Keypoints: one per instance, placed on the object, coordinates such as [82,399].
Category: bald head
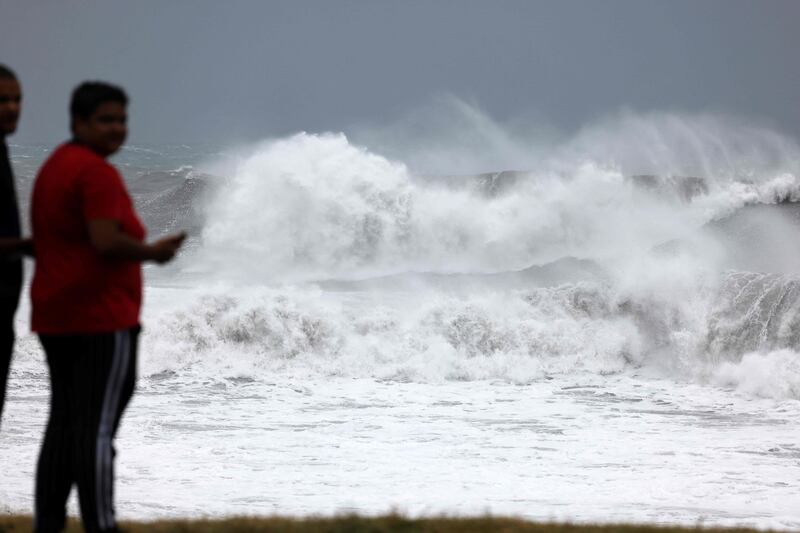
[10,101]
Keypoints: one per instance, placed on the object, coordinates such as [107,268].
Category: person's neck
[86,145]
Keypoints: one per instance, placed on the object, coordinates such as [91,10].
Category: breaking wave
[331,259]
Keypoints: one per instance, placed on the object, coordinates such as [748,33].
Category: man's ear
[74,125]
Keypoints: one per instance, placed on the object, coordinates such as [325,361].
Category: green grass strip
[357,524]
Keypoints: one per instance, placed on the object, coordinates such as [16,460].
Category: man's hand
[26,247]
[165,249]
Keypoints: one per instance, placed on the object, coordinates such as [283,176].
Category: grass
[356,524]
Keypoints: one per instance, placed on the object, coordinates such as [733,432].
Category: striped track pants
[92,379]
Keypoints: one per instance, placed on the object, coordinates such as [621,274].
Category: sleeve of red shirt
[102,193]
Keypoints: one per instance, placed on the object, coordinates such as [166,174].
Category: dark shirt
[10,266]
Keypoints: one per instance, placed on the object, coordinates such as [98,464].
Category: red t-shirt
[75,289]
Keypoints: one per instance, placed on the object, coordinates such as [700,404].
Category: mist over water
[318,206]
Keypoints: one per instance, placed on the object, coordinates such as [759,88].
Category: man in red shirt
[86,296]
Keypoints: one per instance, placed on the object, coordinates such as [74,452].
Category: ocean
[610,334]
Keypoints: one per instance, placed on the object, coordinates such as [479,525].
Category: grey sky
[222,70]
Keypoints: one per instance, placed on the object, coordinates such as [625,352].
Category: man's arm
[9,247]
[109,240]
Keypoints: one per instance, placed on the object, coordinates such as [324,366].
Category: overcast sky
[200,70]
